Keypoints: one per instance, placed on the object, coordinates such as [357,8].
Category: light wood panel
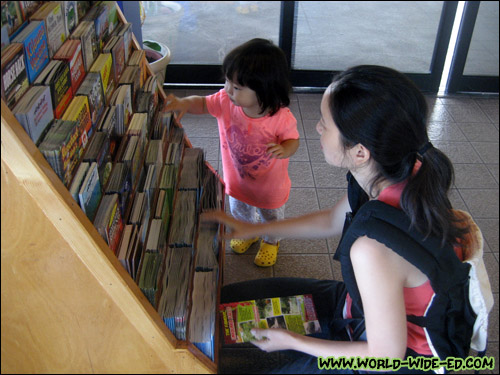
[67,303]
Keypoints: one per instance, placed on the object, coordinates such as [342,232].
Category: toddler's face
[242,96]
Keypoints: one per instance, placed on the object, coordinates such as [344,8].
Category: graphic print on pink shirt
[248,158]
[251,175]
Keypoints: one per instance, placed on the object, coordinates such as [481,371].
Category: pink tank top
[417,299]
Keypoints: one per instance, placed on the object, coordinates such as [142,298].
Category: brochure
[295,313]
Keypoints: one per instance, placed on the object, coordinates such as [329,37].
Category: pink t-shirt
[250,174]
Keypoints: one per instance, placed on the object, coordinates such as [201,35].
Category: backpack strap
[462,293]
[391,227]
[357,197]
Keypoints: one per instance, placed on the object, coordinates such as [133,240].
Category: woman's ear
[360,154]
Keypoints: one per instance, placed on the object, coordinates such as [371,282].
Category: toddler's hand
[276,151]
[176,105]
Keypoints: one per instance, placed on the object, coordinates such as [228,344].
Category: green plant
[152,45]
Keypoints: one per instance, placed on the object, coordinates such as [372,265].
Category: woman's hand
[237,228]
[270,340]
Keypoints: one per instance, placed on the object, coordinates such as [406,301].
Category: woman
[373,122]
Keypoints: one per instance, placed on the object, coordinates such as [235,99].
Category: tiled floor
[465,128]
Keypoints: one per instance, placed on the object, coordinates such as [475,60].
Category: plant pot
[158,56]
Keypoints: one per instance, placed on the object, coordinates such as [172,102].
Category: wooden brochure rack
[68,305]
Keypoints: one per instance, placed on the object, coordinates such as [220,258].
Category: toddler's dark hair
[261,66]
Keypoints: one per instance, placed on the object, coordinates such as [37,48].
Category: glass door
[411,37]
[319,37]
[475,64]
[200,33]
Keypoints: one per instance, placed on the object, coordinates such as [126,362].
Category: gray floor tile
[310,129]
[200,126]
[492,269]
[463,113]
[210,146]
[301,174]
[301,154]
[482,203]
[465,101]
[458,152]
[490,102]
[305,266]
[241,268]
[489,229]
[309,110]
[479,132]
[328,197]
[439,113]
[488,151]
[333,243]
[293,246]
[492,113]
[445,131]
[473,176]
[316,154]
[326,176]
[301,201]
[493,168]
[457,201]
[336,270]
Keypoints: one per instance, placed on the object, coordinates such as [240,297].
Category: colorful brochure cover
[295,313]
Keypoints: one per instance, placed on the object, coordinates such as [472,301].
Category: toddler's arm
[192,104]
[283,150]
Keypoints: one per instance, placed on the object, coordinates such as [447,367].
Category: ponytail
[425,197]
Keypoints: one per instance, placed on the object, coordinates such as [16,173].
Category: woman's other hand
[273,339]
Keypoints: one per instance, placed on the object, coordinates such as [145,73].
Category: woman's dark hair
[261,66]
[384,111]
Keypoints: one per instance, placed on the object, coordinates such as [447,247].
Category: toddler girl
[258,134]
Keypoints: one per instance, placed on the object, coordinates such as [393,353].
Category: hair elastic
[424,149]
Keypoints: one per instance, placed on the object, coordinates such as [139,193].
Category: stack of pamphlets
[295,313]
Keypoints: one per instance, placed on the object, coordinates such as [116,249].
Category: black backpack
[457,318]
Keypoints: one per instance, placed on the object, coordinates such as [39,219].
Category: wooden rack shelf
[68,305]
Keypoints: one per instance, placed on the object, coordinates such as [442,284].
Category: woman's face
[330,135]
